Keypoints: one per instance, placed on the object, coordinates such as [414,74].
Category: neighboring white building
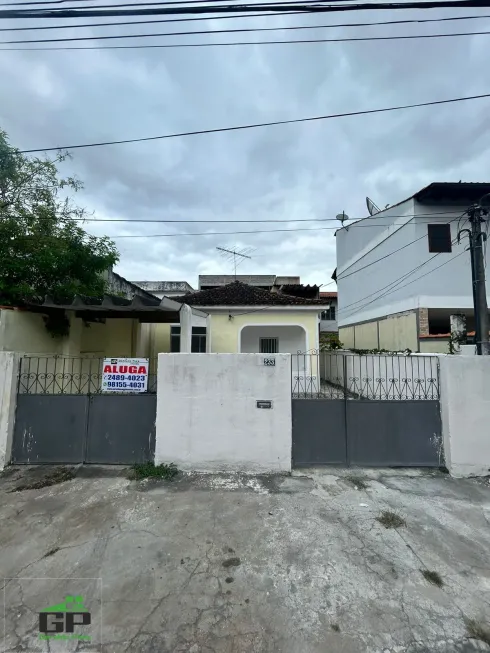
[165,288]
[401,273]
[328,318]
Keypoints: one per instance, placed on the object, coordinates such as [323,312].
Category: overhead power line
[213,44]
[399,287]
[174,221]
[246,29]
[240,30]
[236,43]
[253,8]
[147,22]
[232,233]
[393,284]
[399,279]
[368,265]
[263,124]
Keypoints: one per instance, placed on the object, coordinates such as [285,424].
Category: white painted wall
[207,419]
[291,338]
[465,411]
[9,366]
[448,286]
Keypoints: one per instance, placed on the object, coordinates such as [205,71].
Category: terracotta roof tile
[241,294]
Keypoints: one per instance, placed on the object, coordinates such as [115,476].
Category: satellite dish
[342,217]
[371,206]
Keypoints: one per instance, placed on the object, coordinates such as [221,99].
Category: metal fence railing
[346,375]
[68,375]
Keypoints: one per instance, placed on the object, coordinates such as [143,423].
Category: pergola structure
[145,309]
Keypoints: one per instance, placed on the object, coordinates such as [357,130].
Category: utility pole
[476,214]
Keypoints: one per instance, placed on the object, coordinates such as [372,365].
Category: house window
[269,345]
[198,341]
[328,315]
[439,237]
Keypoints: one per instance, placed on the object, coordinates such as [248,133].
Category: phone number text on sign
[125,375]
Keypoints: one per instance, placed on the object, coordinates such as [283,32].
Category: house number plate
[264,403]
[270,362]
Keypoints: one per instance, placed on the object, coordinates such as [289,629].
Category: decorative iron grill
[41,375]
[332,375]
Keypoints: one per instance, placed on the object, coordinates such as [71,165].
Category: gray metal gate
[373,410]
[62,417]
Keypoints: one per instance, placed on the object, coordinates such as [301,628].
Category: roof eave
[258,307]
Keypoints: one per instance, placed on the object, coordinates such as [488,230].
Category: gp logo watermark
[61,615]
[59,621]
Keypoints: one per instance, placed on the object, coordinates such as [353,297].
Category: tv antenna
[371,206]
[231,254]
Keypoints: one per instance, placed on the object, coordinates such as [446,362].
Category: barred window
[269,345]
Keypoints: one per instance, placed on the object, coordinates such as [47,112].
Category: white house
[401,272]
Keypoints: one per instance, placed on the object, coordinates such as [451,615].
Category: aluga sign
[125,374]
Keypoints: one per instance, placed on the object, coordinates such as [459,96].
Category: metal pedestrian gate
[62,416]
[372,410]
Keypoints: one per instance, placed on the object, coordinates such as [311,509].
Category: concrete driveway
[222,564]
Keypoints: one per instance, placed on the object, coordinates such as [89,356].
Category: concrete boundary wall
[208,418]
[465,412]
[9,369]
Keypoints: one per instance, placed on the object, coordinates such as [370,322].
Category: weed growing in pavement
[391,520]
[150,470]
[432,577]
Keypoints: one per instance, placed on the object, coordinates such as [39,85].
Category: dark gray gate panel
[394,433]
[318,432]
[121,429]
[49,428]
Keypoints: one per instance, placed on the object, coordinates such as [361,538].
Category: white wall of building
[9,366]
[359,245]
[465,411]
[207,417]
[291,339]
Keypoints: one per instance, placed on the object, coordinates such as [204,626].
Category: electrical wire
[344,276]
[213,44]
[164,221]
[398,287]
[231,233]
[391,287]
[258,7]
[250,29]
[396,281]
[256,125]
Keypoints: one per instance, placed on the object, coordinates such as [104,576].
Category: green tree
[43,248]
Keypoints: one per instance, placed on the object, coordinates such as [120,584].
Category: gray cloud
[303,171]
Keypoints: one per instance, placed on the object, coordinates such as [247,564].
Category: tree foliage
[43,248]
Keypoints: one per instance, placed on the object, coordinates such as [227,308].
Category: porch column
[208,334]
[71,345]
[185,314]
[143,340]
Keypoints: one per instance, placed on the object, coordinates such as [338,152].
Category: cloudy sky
[308,171]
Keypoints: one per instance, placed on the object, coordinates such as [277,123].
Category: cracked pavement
[248,564]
